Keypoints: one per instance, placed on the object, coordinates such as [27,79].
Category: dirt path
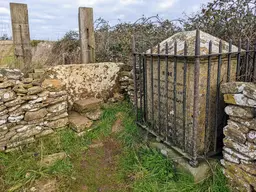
[97,169]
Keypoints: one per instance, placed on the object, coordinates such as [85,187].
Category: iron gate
[177,96]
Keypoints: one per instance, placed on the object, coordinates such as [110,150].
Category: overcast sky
[51,19]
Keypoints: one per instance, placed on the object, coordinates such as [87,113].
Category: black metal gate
[177,96]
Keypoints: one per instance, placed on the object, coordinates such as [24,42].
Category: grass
[142,168]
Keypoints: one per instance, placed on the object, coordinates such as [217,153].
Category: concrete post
[20,35]
[86,30]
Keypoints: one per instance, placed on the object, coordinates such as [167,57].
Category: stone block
[85,105]
[239,99]
[234,134]
[49,160]
[8,96]
[40,114]
[233,87]
[16,102]
[18,143]
[241,112]
[57,107]
[6,84]
[79,123]
[250,91]
[249,123]
[94,115]
[35,90]
[60,123]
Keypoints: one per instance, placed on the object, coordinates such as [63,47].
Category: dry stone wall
[239,151]
[29,109]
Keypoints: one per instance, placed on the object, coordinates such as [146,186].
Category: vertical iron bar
[254,64]
[166,89]
[152,88]
[158,87]
[229,60]
[145,86]
[140,87]
[185,94]
[175,93]
[217,97]
[207,109]
[238,72]
[134,78]
[247,73]
[194,161]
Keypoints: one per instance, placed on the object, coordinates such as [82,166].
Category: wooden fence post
[20,35]
[86,31]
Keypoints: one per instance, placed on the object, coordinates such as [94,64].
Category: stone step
[85,105]
[78,122]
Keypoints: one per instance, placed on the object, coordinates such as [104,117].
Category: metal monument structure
[177,90]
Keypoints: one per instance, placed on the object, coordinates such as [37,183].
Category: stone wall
[29,109]
[239,151]
[100,80]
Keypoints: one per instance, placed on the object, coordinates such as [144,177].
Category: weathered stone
[10,134]
[233,87]
[29,97]
[14,74]
[45,93]
[85,105]
[40,114]
[36,82]
[32,107]
[57,94]
[27,80]
[49,160]
[6,84]
[11,109]
[57,107]
[4,112]
[53,85]
[27,86]
[31,131]
[250,123]
[19,111]
[242,112]
[53,117]
[17,101]
[2,107]
[1,78]
[250,91]
[58,123]
[239,99]
[3,121]
[35,90]
[251,169]
[20,89]
[230,158]
[23,142]
[38,100]
[236,154]
[51,101]
[8,96]
[94,115]
[45,133]
[16,119]
[234,134]
[79,122]
[3,117]
[251,136]
[240,173]
[247,149]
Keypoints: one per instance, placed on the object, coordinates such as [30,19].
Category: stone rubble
[239,151]
[29,110]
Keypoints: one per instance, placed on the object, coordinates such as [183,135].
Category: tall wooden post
[86,30]
[20,35]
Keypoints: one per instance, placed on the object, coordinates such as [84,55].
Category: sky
[51,19]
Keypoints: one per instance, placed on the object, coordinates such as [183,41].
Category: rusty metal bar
[238,61]
[185,94]
[247,73]
[145,86]
[158,88]
[175,94]
[229,60]
[135,78]
[217,98]
[152,89]
[166,90]
[140,87]
[254,64]
[194,161]
[207,108]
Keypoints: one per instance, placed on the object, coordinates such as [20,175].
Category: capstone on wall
[101,80]
[29,109]
[239,151]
